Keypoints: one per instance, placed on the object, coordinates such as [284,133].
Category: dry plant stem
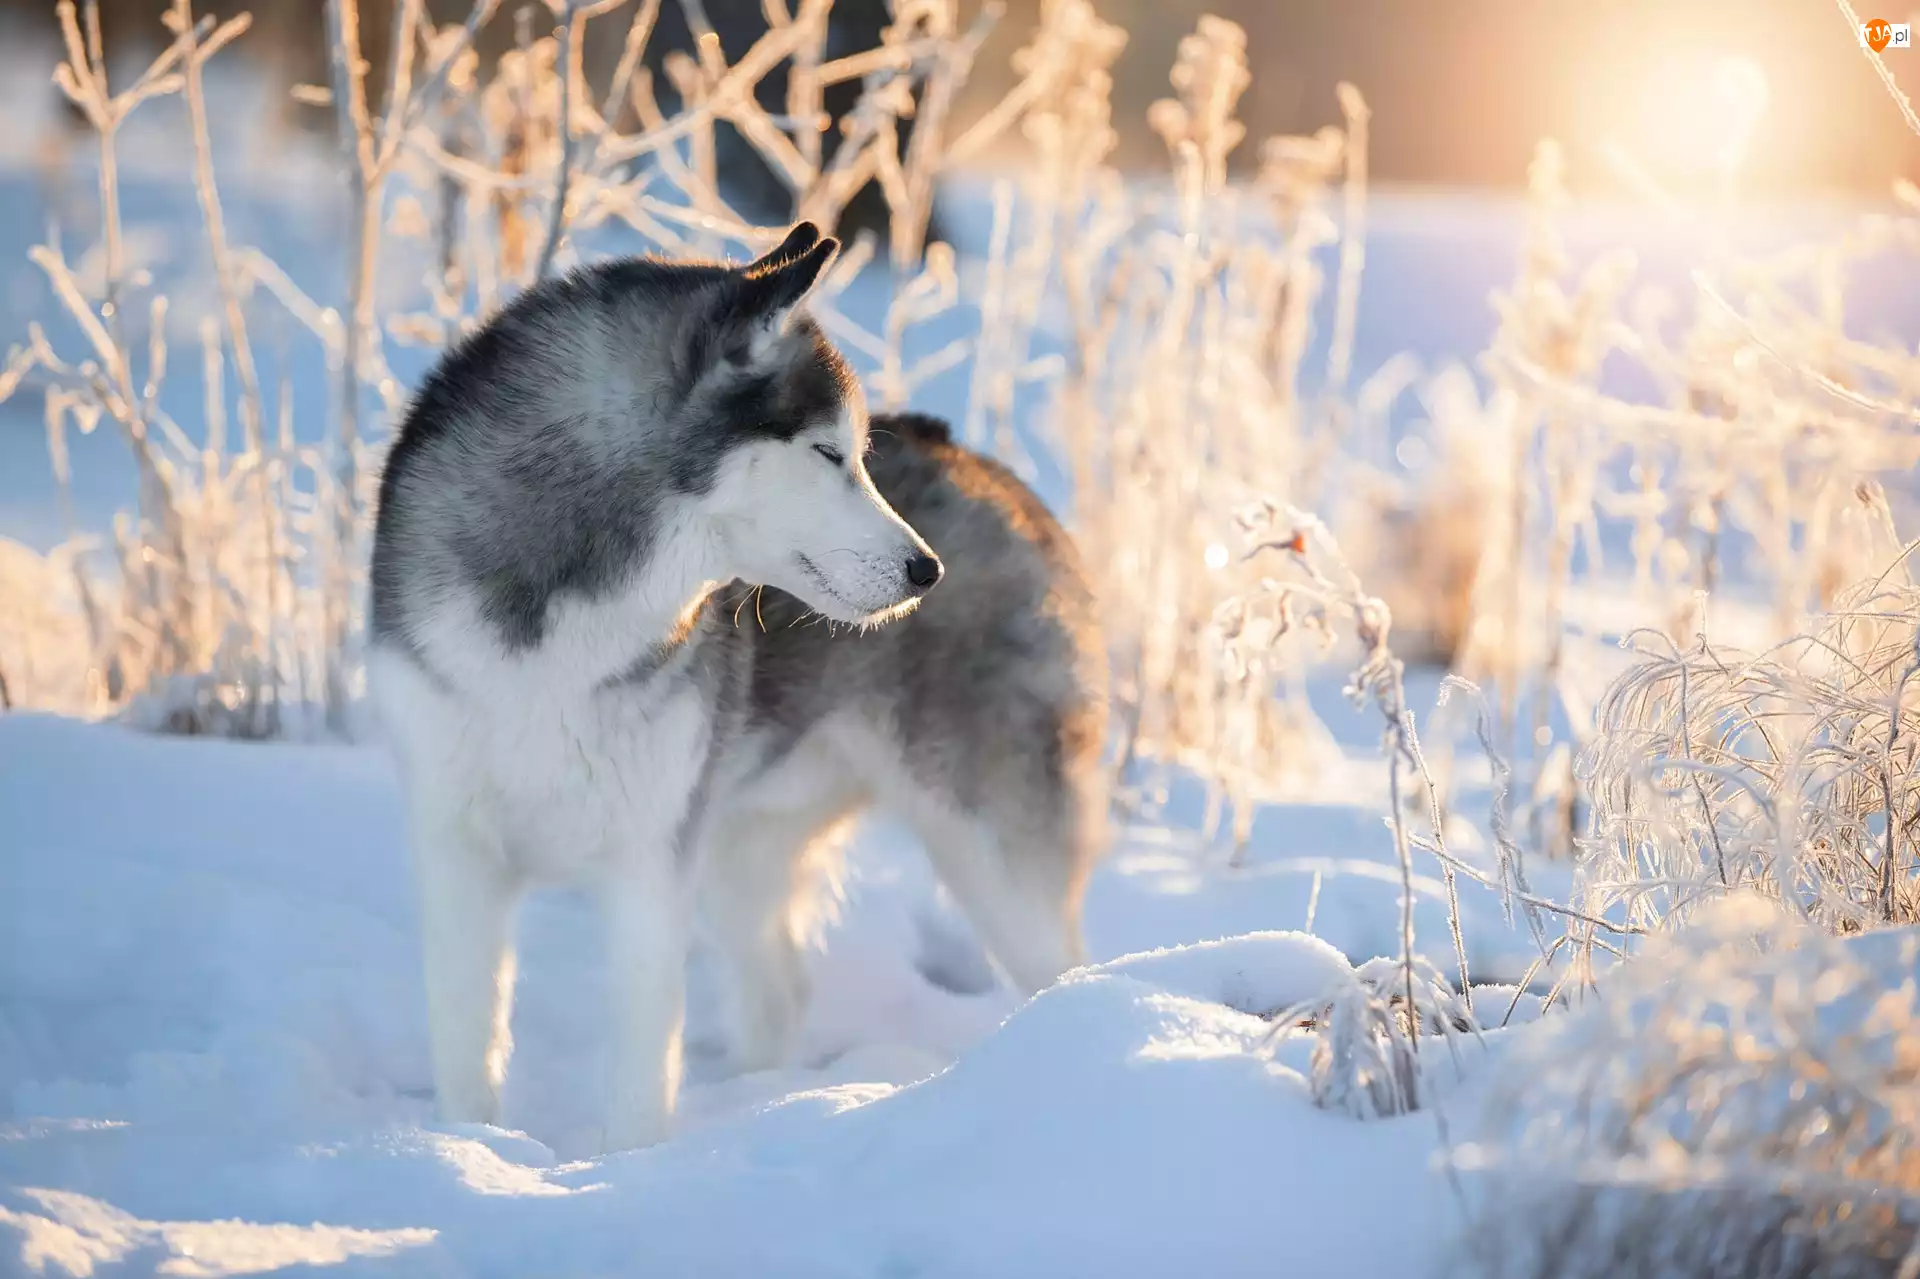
[1894,91]
[1847,395]
[1526,979]
[226,272]
[568,32]
[1889,860]
[84,80]
[1331,425]
[1447,859]
[999,242]
[1437,824]
[1403,852]
[418,103]
[356,136]
[1379,679]
[1353,243]
[1562,468]
[804,102]
[1513,885]
[925,151]
[227,275]
[365,186]
[639,31]
[1699,786]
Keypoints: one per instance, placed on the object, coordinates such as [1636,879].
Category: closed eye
[832,454]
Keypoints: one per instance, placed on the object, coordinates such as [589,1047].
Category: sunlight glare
[1693,117]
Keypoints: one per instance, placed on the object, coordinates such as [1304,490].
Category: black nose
[923,571]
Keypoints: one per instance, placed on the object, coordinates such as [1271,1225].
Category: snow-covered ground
[212,1058]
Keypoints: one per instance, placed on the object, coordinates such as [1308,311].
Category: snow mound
[1124,1122]
[212,1062]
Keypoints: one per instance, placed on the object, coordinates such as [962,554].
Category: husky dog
[616,533]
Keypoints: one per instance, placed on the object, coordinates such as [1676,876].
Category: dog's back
[979,720]
[997,681]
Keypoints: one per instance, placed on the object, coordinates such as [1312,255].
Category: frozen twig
[567,31]
[1892,86]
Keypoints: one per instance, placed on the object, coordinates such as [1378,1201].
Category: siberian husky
[654,611]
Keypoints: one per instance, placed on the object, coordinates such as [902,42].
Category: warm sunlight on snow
[1351,712]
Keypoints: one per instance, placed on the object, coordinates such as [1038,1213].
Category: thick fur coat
[656,610]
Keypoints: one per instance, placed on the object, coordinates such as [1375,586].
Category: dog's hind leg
[467,904]
[1020,888]
[761,880]
[1016,858]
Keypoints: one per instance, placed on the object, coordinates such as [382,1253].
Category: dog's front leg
[466,931]
[646,953]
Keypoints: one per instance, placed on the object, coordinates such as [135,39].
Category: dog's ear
[754,308]
[774,285]
[803,237]
[757,308]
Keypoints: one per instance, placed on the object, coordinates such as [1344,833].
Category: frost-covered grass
[1789,772]
[1744,1101]
[234,592]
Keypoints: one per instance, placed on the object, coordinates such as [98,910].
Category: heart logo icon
[1879,31]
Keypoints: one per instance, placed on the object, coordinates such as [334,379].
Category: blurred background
[1639,93]
[1460,90]
[1693,135]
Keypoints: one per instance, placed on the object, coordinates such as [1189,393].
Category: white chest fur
[570,776]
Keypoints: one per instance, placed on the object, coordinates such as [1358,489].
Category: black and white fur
[584,685]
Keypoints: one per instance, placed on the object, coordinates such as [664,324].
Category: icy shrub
[1186,396]
[43,631]
[1789,772]
[1368,1027]
[1367,1061]
[1744,1101]
[1422,535]
[1735,436]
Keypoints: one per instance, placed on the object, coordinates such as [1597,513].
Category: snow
[212,1060]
